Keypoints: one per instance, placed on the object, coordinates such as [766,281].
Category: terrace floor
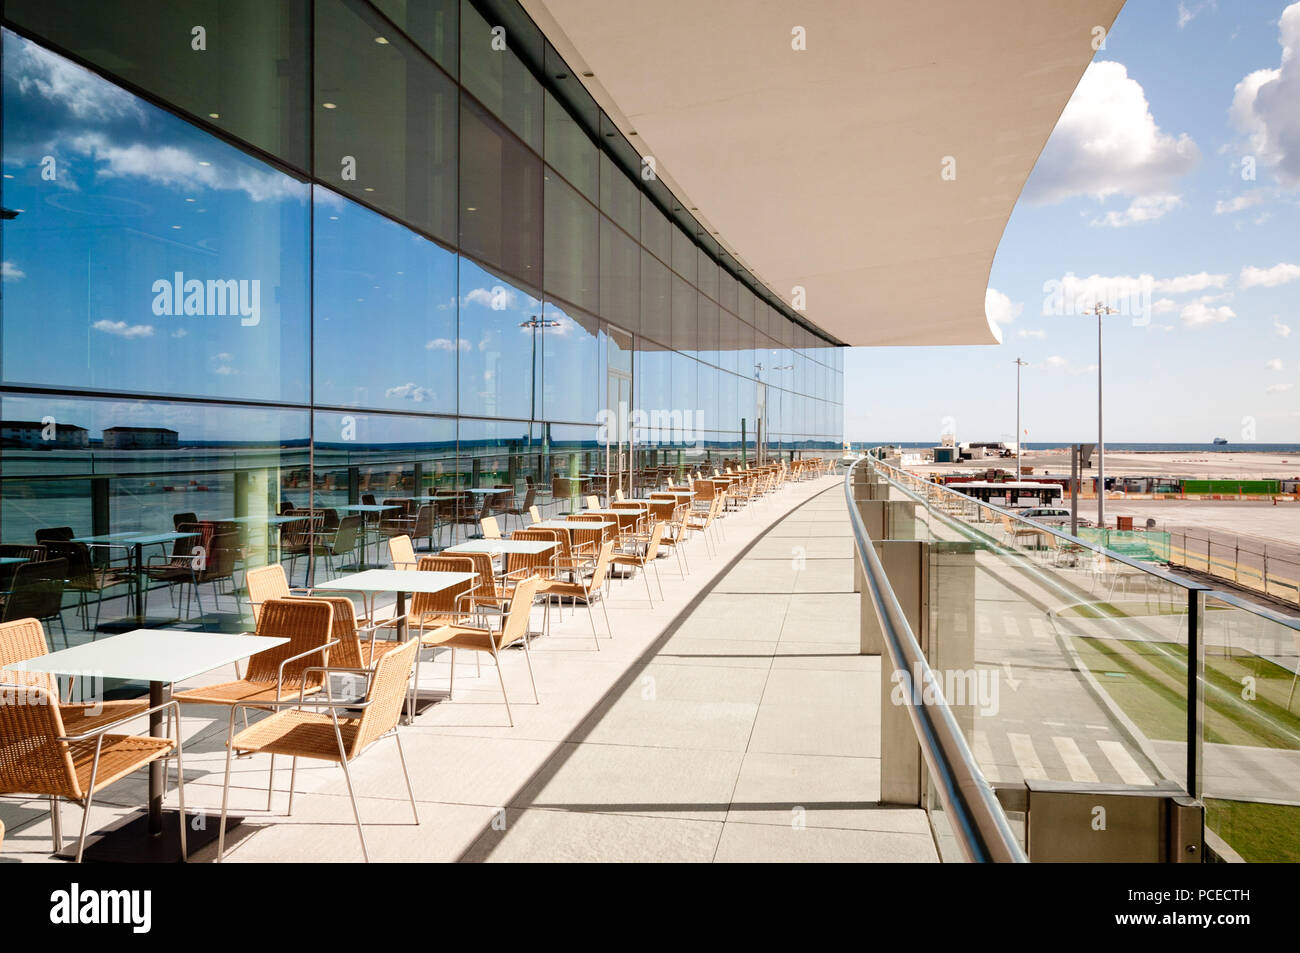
[734,721]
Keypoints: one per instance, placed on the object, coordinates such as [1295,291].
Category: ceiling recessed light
[369,189]
[214,115]
[471,208]
[588,74]
[381,40]
[330,105]
[631,132]
[561,75]
[205,163]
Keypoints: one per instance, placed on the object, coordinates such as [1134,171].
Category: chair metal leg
[180,790]
[660,583]
[356,810]
[592,618]
[410,791]
[528,657]
[270,784]
[56,825]
[502,679]
[293,780]
[645,574]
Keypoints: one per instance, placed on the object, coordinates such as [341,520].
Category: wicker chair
[41,757]
[646,558]
[321,734]
[23,640]
[513,629]
[490,528]
[588,589]
[265,583]
[37,592]
[402,552]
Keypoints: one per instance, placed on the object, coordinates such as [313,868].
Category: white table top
[151,655]
[492,492]
[571,524]
[397,580]
[530,547]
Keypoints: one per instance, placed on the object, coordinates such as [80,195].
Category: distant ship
[1220,441]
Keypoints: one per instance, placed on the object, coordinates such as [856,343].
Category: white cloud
[447,344]
[1107,143]
[410,391]
[1264,105]
[1279,274]
[1185,284]
[1239,202]
[1000,309]
[497,298]
[1280,329]
[1201,313]
[1037,333]
[123,330]
[1278,388]
[1274,365]
[1186,14]
[1126,293]
[1144,208]
[11,272]
[182,170]
[1164,306]
[180,333]
[61,81]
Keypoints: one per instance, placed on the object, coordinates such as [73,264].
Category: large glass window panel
[385,119]
[130,465]
[387,456]
[497,452]
[683,254]
[654,378]
[707,330]
[572,253]
[246,72]
[684,370]
[655,230]
[385,302]
[570,151]
[706,274]
[620,276]
[146,255]
[685,328]
[728,291]
[499,322]
[728,419]
[656,299]
[501,196]
[620,199]
[572,384]
[497,77]
[707,395]
[432,24]
[746,301]
[728,341]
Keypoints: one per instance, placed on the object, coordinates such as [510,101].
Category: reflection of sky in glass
[570,368]
[496,369]
[385,302]
[116,195]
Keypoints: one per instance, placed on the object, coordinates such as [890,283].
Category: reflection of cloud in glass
[497,298]
[412,392]
[447,344]
[123,330]
[61,81]
[11,272]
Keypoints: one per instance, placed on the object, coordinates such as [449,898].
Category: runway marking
[1039,628]
[1012,627]
[1023,748]
[1129,770]
[1075,762]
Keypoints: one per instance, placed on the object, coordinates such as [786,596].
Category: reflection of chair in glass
[37,592]
[31,553]
[420,525]
[502,503]
[519,512]
[58,534]
[44,757]
[322,734]
[344,542]
[181,519]
[297,536]
[84,578]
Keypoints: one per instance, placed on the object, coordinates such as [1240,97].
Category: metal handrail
[983,832]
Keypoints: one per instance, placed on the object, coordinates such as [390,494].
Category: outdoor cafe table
[400,582]
[160,657]
[134,543]
[497,547]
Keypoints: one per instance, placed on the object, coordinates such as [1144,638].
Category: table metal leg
[157,767]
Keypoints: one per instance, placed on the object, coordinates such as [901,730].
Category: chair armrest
[279,677]
[125,718]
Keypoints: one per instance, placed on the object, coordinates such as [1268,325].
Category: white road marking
[1038,627]
[1012,627]
[1075,762]
[984,757]
[1023,748]
[1122,761]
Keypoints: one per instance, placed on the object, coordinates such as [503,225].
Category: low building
[139,438]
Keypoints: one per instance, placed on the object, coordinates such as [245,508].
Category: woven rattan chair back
[515,626]
[656,534]
[602,565]
[21,640]
[487,580]
[387,694]
[520,564]
[401,552]
[451,599]
[33,760]
[307,624]
[265,583]
[490,527]
[343,630]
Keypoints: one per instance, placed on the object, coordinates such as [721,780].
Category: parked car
[1050,515]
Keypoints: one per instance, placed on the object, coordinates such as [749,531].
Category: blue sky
[1142,176]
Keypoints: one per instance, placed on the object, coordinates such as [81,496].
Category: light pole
[1100,310]
[1019,365]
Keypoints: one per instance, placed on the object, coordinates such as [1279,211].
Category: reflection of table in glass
[400,582]
[273,523]
[160,657]
[134,543]
[365,509]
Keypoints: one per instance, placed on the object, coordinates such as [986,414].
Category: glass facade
[303,254]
